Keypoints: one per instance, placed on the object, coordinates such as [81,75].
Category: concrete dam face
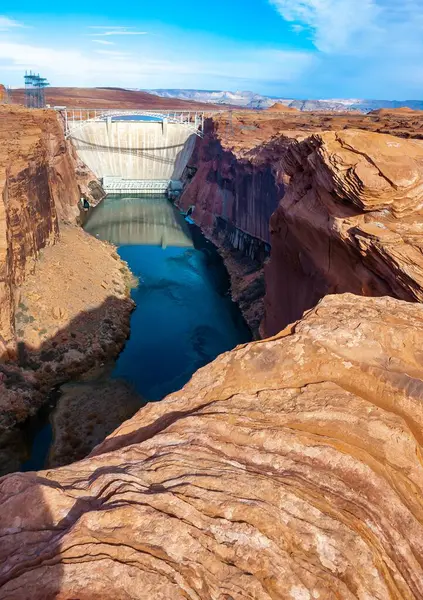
[135,150]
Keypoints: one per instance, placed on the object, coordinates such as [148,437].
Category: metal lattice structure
[135,186]
[34,90]
[77,119]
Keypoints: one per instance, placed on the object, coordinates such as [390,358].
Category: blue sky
[286,48]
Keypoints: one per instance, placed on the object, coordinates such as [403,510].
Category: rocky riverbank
[247,285]
[87,412]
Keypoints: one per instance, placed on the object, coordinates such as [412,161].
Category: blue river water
[184,315]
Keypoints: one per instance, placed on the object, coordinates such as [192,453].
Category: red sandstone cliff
[350,221]
[234,192]
[243,189]
[38,187]
[346,208]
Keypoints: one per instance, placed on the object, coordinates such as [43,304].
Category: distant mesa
[395,111]
[279,107]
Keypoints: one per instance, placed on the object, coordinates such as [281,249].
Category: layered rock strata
[340,209]
[289,468]
[350,221]
[38,187]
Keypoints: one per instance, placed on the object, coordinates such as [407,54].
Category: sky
[282,48]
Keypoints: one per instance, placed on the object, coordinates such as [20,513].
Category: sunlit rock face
[41,182]
[350,221]
[288,468]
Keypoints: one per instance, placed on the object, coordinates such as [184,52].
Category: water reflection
[184,316]
[143,220]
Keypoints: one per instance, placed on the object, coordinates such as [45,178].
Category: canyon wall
[240,190]
[64,305]
[232,190]
[287,469]
[350,221]
[38,187]
[341,209]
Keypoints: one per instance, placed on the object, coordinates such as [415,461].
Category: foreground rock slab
[289,468]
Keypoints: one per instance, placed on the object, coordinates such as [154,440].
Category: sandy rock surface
[289,468]
[72,279]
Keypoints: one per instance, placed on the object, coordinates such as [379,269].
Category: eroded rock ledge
[288,468]
[350,221]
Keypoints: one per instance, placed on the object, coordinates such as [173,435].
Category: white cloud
[104,42]
[114,54]
[122,32]
[108,27]
[6,23]
[335,24]
[246,67]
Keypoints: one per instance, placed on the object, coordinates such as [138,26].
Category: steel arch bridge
[78,119]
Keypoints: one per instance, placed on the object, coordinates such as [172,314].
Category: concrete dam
[134,151]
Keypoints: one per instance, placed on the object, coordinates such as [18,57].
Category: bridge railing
[76,119]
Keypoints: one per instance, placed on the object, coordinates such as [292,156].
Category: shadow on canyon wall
[85,347]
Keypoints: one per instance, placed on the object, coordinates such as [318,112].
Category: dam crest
[135,150]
